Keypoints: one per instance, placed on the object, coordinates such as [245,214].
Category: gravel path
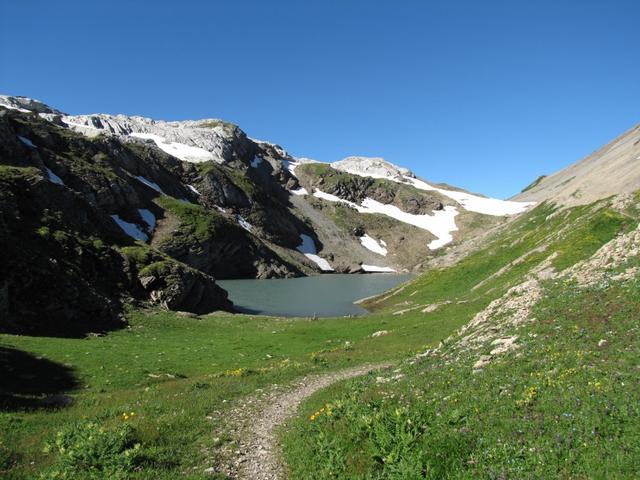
[255,454]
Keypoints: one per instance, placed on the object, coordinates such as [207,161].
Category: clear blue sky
[485,95]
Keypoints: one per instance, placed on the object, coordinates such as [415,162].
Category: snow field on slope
[474,203]
[308,249]
[440,224]
[178,150]
[375,269]
[372,244]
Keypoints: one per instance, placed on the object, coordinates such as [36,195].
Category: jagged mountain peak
[26,104]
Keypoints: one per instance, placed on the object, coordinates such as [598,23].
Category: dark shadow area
[247,310]
[28,382]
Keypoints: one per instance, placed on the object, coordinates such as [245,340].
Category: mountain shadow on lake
[28,382]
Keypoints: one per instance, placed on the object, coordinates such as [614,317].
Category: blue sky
[485,95]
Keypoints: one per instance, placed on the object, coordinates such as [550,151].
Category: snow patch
[193,189]
[178,150]
[26,141]
[148,217]
[308,248]
[130,229]
[375,269]
[474,203]
[372,244]
[321,262]
[150,184]
[256,161]
[332,198]
[243,223]
[4,102]
[300,191]
[440,224]
[53,178]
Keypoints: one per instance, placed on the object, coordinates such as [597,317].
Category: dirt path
[255,454]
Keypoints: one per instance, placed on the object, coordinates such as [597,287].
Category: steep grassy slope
[542,383]
[563,405]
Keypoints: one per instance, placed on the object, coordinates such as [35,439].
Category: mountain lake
[328,295]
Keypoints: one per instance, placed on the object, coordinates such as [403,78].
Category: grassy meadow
[559,404]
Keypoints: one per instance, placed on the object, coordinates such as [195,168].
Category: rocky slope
[611,170]
[173,205]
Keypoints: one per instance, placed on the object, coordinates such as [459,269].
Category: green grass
[195,220]
[170,371]
[553,408]
[237,178]
[573,234]
[8,173]
[560,406]
[533,184]
[439,420]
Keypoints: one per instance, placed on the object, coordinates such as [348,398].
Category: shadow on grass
[28,382]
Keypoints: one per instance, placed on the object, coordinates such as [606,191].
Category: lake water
[321,295]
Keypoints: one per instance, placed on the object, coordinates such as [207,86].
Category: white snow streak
[321,262]
[193,189]
[372,244]
[178,150]
[308,248]
[373,269]
[474,203]
[11,107]
[300,191]
[243,223]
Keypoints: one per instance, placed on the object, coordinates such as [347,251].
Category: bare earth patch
[253,452]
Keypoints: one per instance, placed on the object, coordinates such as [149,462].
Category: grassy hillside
[566,404]
[171,372]
[562,403]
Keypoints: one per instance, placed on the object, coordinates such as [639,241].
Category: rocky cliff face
[130,209]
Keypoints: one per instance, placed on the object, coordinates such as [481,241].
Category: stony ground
[252,451]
